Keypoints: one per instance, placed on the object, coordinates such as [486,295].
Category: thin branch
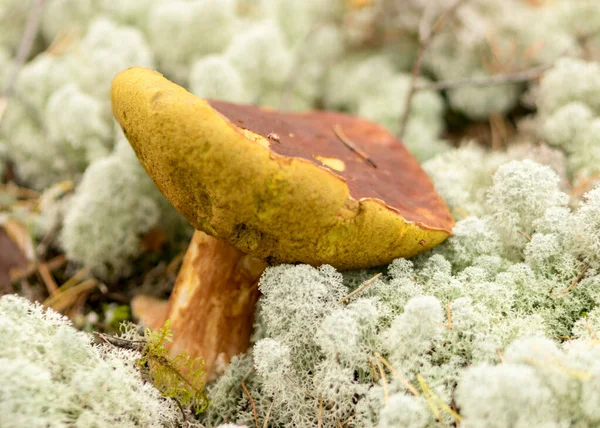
[339,132]
[426,33]
[296,69]
[482,81]
[361,288]
[31,30]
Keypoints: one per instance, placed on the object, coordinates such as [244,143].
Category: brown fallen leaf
[11,257]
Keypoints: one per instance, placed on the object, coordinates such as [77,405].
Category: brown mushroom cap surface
[285,187]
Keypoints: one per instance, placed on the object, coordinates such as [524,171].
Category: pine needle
[320,414]
[252,403]
[575,373]
[449,312]
[397,374]
[384,382]
[576,280]
[590,330]
[268,415]
[373,370]
[361,288]
[338,131]
[434,401]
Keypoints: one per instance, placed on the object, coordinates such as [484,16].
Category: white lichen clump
[496,327]
[468,323]
[53,375]
[569,113]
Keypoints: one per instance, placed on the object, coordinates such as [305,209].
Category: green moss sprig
[180,378]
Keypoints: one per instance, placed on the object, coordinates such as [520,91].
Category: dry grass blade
[52,264]
[361,288]
[397,374]
[63,299]
[19,192]
[47,278]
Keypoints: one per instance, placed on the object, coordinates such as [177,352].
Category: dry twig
[292,78]
[426,33]
[31,31]
[482,81]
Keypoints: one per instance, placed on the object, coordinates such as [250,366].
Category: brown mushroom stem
[213,302]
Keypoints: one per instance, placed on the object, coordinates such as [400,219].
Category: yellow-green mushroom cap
[317,187]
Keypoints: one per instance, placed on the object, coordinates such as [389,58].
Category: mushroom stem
[213,302]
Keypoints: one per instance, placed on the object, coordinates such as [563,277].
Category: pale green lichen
[56,376]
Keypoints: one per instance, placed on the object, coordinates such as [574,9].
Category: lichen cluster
[496,327]
[508,303]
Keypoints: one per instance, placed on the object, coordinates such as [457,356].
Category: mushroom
[330,188]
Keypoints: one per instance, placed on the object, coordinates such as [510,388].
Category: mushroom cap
[285,187]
